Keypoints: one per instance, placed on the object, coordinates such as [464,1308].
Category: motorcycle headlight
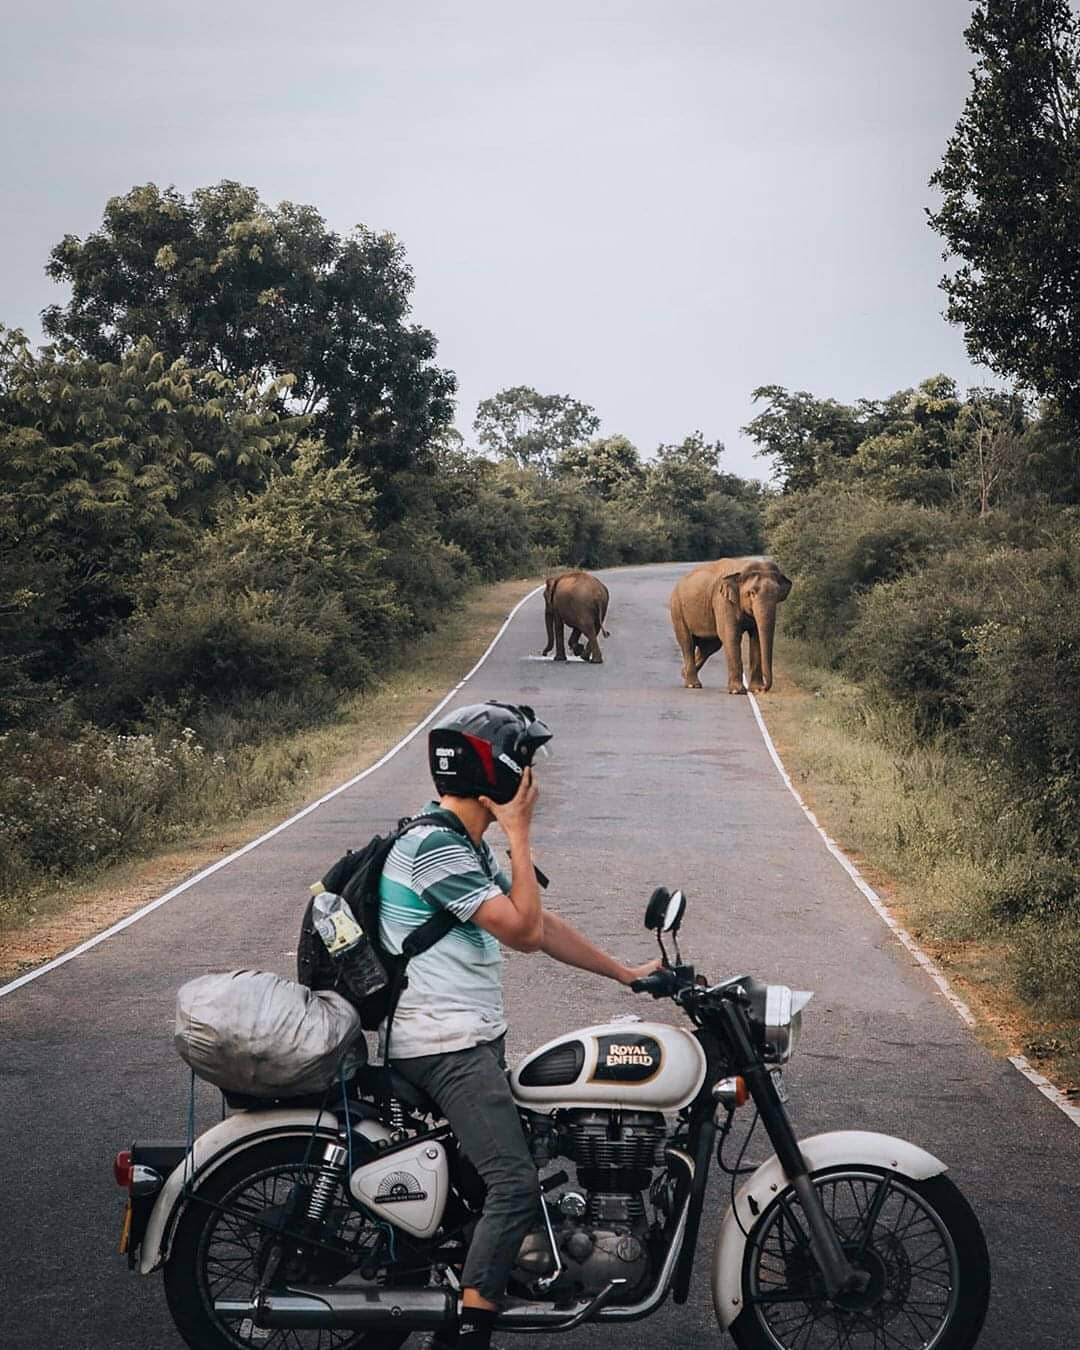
[783,1021]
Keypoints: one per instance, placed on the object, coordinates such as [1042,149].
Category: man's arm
[564,943]
[515,919]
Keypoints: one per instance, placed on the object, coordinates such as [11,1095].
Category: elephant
[713,606]
[580,601]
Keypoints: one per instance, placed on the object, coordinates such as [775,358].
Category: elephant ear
[730,586]
[783,586]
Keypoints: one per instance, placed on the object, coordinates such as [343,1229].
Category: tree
[102,463]
[609,466]
[683,474]
[531,428]
[991,448]
[910,457]
[242,288]
[1010,209]
[807,436]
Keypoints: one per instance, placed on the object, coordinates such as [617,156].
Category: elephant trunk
[765,621]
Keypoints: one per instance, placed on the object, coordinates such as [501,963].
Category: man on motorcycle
[448,1032]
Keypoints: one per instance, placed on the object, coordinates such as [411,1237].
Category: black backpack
[370,977]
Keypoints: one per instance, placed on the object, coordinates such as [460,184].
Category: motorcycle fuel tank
[639,1066]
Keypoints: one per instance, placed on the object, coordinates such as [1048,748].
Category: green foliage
[102,464]
[610,467]
[1025,677]
[532,429]
[243,288]
[838,543]
[66,804]
[290,590]
[1010,210]
[808,437]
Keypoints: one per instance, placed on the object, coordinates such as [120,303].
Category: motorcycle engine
[602,1234]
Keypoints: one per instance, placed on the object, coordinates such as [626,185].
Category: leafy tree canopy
[532,428]
[102,463]
[1010,210]
[243,288]
[609,466]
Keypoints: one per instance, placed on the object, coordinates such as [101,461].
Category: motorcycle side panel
[219,1143]
[840,1147]
[408,1189]
[638,1066]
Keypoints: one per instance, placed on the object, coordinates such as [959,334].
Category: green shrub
[1045,964]
[68,804]
[1025,681]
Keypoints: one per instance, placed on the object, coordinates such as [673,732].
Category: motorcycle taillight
[123,1168]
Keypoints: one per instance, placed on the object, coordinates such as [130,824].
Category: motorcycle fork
[839,1274]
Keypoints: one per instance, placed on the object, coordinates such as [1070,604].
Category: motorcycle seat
[382,1083]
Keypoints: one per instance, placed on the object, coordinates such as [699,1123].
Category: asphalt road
[648,784]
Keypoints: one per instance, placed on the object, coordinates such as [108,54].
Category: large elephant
[579,601]
[714,605]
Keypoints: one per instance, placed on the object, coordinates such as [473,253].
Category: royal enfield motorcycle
[342,1224]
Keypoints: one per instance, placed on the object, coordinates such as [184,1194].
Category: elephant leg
[592,651]
[733,652]
[685,639]
[757,681]
[576,644]
[705,647]
[549,625]
[560,640]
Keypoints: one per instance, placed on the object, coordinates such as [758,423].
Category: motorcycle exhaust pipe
[346,1307]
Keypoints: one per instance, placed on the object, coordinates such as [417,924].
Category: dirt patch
[368,728]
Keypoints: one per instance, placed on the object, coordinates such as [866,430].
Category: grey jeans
[472,1090]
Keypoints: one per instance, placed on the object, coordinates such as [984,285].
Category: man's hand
[516,816]
[632,973]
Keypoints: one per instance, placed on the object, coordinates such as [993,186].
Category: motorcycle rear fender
[220,1143]
[855,1147]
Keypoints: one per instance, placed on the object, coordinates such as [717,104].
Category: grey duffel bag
[252,1032]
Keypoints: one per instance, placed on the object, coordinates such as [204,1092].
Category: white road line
[314,806]
[928,964]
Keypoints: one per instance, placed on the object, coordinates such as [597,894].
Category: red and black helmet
[481,750]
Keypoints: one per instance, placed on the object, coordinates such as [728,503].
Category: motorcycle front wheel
[225,1249]
[918,1243]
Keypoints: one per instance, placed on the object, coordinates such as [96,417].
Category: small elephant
[714,605]
[578,600]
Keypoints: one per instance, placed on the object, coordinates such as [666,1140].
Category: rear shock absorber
[329,1174]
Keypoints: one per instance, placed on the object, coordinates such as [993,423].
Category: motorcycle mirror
[673,914]
[656,909]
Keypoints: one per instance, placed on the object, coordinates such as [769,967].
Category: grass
[250,787]
[932,833]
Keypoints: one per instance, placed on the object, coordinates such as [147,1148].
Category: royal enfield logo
[398,1187]
[626,1059]
[618,1055]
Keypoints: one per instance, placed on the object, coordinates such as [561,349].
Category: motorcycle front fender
[220,1143]
[855,1147]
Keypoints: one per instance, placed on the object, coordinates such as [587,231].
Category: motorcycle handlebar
[661,983]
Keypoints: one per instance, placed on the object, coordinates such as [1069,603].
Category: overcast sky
[651,205]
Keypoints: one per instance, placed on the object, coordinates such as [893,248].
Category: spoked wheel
[227,1249]
[918,1244]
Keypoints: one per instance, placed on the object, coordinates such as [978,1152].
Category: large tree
[102,464]
[533,429]
[237,286]
[808,436]
[1010,210]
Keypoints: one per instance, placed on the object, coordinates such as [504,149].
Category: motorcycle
[342,1224]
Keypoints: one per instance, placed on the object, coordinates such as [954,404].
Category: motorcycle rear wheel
[919,1243]
[216,1255]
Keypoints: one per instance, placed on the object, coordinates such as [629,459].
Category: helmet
[481,750]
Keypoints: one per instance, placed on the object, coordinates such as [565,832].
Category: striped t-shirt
[453,999]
